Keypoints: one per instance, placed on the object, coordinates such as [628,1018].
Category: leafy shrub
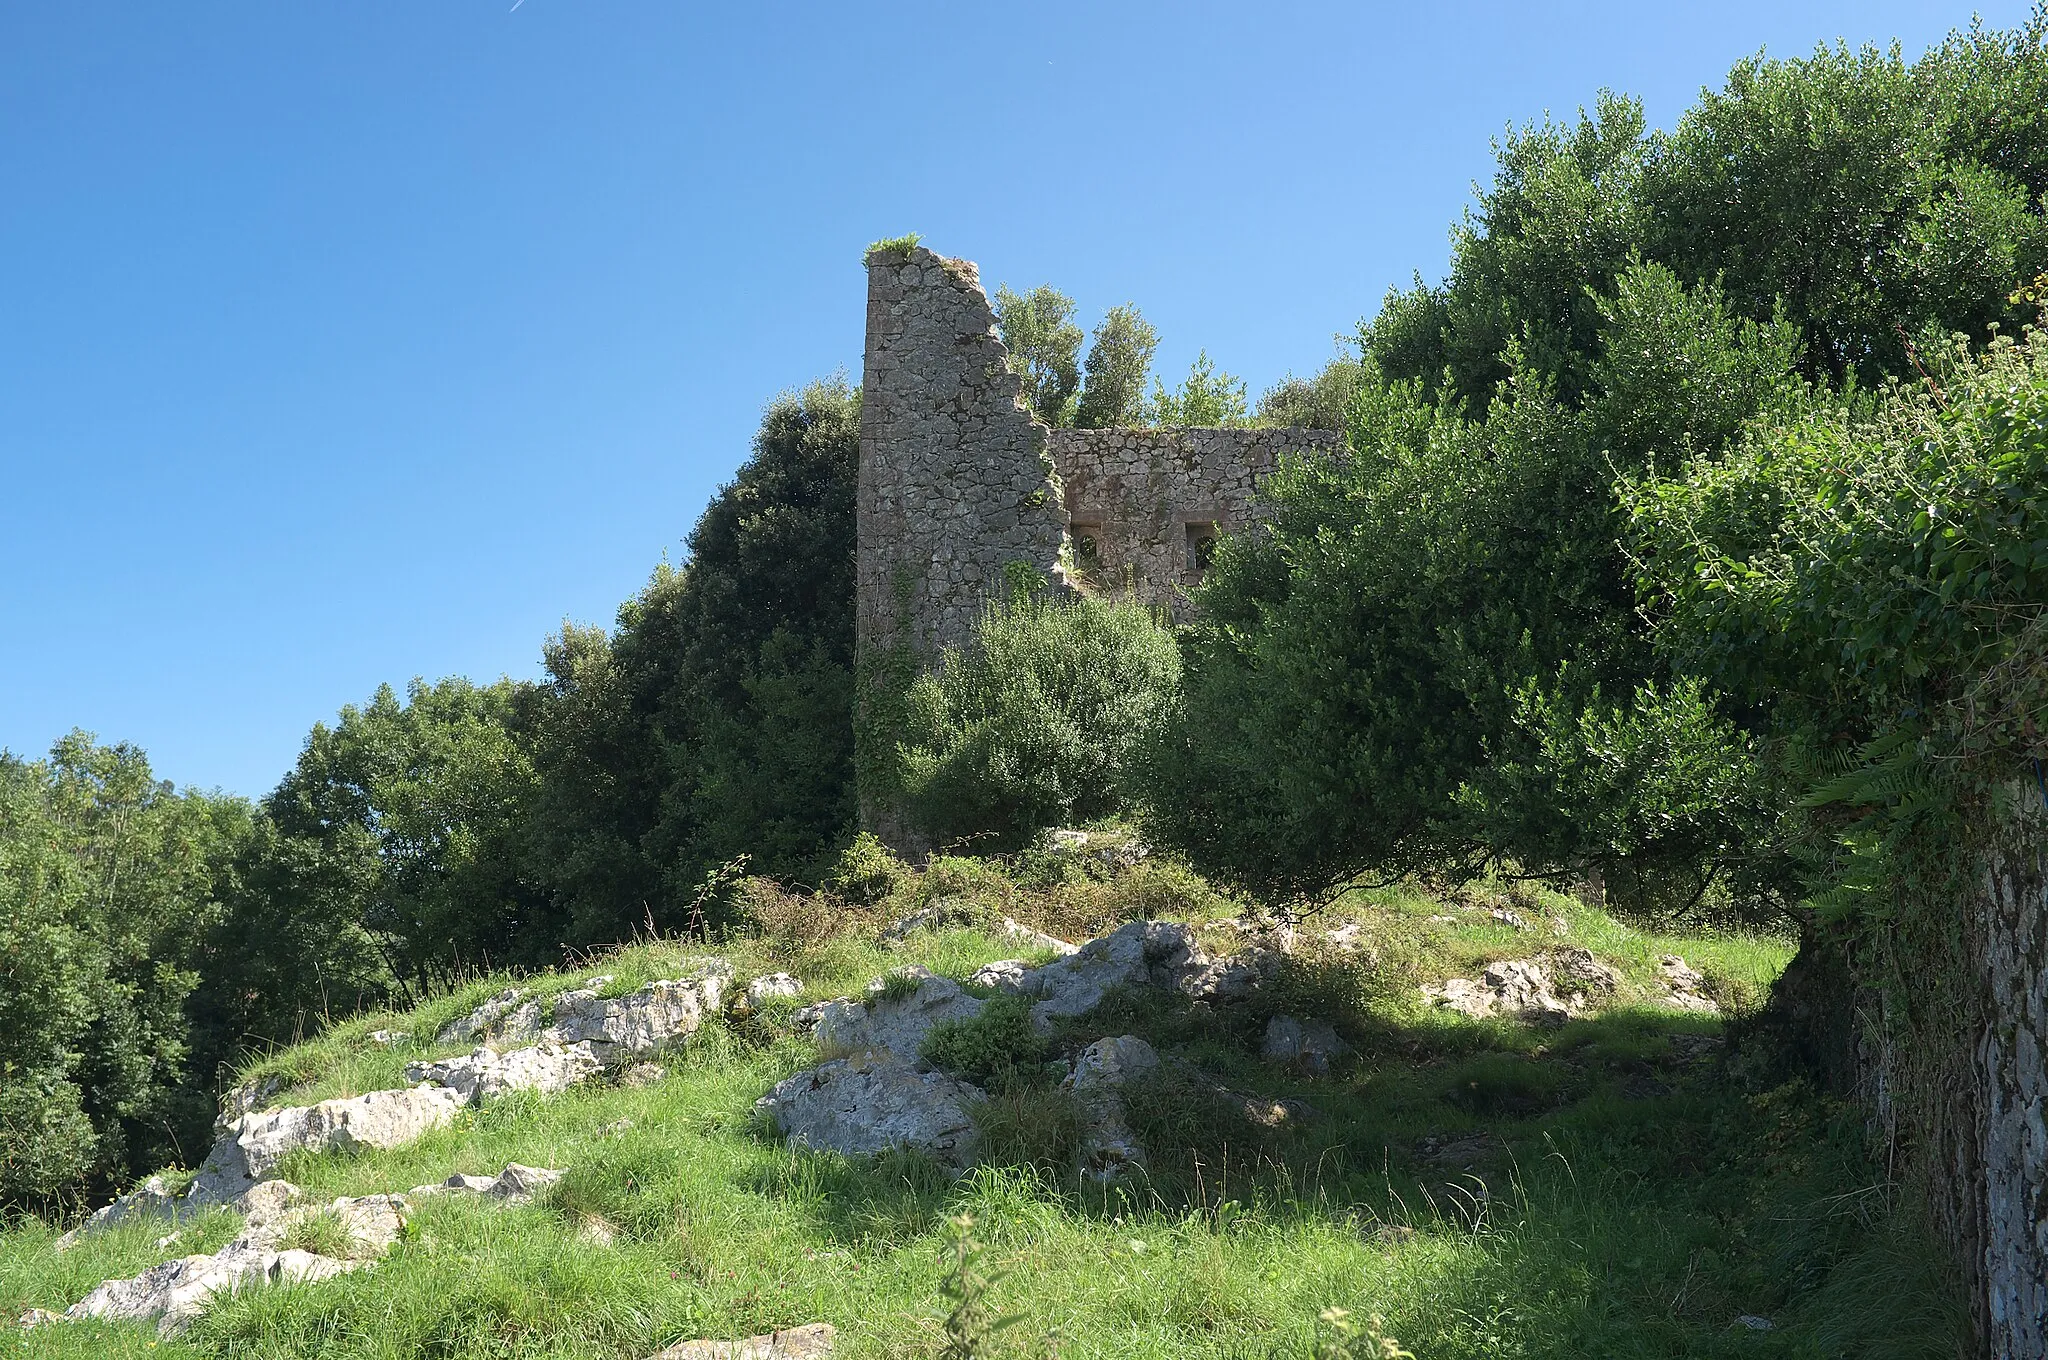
[997,1049]
[867,871]
[1322,402]
[1036,722]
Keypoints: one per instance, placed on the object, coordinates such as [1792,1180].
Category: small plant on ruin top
[897,246]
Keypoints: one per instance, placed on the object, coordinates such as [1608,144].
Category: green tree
[1437,637]
[1320,402]
[1119,360]
[716,719]
[436,788]
[1207,397]
[1045,346]
[1038,721]
[1867,585]
[107,880]
[1862,198]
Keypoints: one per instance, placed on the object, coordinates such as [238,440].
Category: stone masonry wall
[955,484]
[1141,504]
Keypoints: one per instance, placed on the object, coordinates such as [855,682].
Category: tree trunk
[2011,941]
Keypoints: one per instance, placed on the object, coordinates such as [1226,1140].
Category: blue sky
[343,343]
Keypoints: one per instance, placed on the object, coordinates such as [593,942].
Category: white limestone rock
[546,1067]
[772,985]
[860,1107]
[804,1019]
[381,1119]
[1685,987]
[1142,953]
[1100,1074]
[812,1342]
[516,1184]
[172,1294]
[642,1021]
[1017,933]
[1307,1045]
[151,1199]
[894,1026]
[509,1017]
[1004,975]
[1534,991]
[246,1097]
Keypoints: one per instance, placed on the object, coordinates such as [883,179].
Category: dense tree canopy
[108,885]
[1433,652]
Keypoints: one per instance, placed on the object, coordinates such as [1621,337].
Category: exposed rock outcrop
[254,1144]
[798,1343]
[1309,1046]
[1097,1084]
[588,1033]
[1142,953]
[546,1067]
[151,1199]
[642,1021]
[1535,991]
[773,985]
[516,1184]
[1685,988]
[871,1105]
[891,1020]
[172,1294]
[510,1017]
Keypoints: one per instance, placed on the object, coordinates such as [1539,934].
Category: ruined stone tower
[960,487]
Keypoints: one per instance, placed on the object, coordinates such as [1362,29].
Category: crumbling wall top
[956,487]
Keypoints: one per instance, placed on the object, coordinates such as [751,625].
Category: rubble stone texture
[955,481]
[1142,503]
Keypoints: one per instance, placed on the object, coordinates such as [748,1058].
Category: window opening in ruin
[1201,547]
[1087,548]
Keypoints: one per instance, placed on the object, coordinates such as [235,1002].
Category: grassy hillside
[1635,1192]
